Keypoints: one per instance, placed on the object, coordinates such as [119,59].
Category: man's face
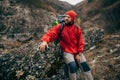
[68,19]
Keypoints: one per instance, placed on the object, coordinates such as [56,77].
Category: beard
[69,23]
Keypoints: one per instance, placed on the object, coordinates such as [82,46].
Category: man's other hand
[77,57]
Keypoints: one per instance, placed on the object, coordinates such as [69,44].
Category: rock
[28,63]
[18,18]
[23,37]
[92,36]
[2,27]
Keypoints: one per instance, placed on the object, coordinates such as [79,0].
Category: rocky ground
[104,58]
[22,61]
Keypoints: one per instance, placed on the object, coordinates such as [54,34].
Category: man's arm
[50,36]
[80,45]
[80,41]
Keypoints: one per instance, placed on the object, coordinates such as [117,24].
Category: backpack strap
[61,29]
[59,34]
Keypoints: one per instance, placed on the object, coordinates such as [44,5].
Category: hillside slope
[23,22]
[103,56]
[100,13]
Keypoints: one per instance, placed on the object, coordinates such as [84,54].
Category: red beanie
[72,14]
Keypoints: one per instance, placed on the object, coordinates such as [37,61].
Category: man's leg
[69,60]
[85,68]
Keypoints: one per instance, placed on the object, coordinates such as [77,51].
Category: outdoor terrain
[23,22]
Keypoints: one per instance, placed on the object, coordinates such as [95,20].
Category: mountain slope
[101,13]
[103,56]
[60,6]
[23,22]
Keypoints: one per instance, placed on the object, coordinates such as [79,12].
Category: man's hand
[43,46]
[77,57]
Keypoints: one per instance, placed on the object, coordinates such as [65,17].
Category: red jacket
[71,38]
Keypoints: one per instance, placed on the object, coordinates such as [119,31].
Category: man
[71,43]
